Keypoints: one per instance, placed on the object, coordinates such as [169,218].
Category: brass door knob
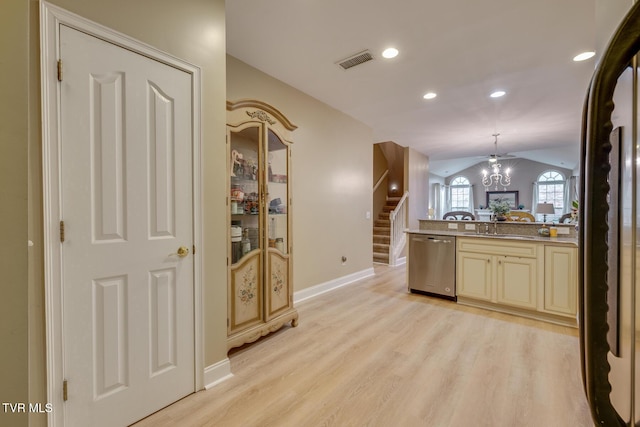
[183,251]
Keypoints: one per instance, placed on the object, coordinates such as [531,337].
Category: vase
[501,218]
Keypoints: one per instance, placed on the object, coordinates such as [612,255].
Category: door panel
[127,203]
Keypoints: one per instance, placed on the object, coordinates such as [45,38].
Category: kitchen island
[513,270]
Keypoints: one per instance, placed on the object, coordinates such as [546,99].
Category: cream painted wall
[193,30]
[396,163]
[417,183]
[14,137]
[332,159]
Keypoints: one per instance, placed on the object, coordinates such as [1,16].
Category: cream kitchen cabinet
[517,281]
[474,275]
[499,271]
[561,280]
[259,273]
[527,278]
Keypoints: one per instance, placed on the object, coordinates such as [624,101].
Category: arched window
[460,189]
[550,189]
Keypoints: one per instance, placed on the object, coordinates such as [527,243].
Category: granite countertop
[566,240]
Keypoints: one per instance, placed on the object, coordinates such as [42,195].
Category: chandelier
[496,178]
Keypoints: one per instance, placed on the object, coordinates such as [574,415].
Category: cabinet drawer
[502,247]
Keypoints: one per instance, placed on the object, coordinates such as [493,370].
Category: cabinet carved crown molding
[264,110]
[262,116]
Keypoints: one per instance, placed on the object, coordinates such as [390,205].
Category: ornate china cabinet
[260,287]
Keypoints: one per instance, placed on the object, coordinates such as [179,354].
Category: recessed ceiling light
[389,53]
[429,95]
[498,94]
[584,56]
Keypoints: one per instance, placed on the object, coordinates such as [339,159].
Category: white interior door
[126,202]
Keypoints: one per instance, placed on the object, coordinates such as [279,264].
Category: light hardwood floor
[371,354]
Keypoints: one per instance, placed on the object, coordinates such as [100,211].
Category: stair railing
[398,220]
[380,180]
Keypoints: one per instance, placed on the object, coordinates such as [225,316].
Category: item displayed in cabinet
[237,194]
[236,243]
[251,204]
[280,244]
[236,156]
[282,179]
[273,205]
[246,243]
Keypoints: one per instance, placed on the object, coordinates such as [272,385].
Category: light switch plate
[453,226]
[469,227]
[563,230]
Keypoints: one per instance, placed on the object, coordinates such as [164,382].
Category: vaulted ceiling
[463,50]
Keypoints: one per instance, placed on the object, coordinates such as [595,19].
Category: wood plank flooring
[371,354]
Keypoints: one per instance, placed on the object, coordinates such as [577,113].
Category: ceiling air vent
[357,59]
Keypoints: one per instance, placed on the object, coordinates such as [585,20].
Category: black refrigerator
[609,237]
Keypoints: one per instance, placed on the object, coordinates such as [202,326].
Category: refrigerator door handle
[593,220]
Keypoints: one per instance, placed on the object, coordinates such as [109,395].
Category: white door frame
[51,17]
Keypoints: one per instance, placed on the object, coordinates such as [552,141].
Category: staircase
[382,232]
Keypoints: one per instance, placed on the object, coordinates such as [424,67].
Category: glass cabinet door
[245,192]
[277,193]
[246,279]
[278,295]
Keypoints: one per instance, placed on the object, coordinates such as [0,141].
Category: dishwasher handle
[433,239]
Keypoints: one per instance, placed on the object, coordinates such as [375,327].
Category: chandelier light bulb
[496,179]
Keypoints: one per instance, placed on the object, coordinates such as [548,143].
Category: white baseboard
[217,373]
[316,290]
[401,261]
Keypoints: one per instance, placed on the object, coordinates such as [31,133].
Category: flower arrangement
[500,207]
[575,206]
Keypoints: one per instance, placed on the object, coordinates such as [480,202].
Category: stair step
[382,258]
[380,248]
[381,239]
[381,231]
[382,223]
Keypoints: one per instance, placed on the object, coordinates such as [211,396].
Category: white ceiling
[463,50]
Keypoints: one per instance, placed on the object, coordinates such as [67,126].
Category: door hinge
[59,70]
[64,390]
[61,231]
[227,322]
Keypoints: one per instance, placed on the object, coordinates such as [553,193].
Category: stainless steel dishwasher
[432,265]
